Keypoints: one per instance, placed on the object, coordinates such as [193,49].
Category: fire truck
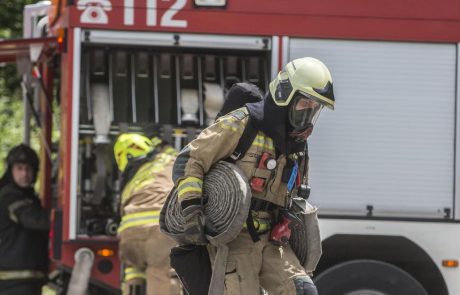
[383,164]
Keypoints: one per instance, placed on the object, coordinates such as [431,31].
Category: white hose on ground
[84,259]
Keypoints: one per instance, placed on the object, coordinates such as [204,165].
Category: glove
[194,217]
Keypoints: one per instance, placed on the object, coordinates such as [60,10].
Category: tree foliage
[11,28]
[11,106]
[11,17]
[11,125]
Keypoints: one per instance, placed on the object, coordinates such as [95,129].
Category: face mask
[303,113]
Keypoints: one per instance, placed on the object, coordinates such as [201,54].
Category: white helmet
[306,76]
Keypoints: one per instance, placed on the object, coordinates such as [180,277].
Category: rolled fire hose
[306,240]
[228,198]
[84,259]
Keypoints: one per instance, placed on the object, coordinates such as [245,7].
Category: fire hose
[81,273]
[305,241]
[227,199]
[225,192]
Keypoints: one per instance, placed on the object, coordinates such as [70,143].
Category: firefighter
[283,120]
[24,226]
[146,166]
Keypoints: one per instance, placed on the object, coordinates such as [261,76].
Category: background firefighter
[24,226]
[146,165]
[275,163]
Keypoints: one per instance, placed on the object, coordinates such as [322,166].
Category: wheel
[367,277]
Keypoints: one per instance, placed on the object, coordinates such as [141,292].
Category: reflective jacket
[144,195]
[218,142]
[24,226]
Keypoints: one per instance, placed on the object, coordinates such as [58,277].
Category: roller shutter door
[390,142]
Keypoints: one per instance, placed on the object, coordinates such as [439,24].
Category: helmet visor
[304,112]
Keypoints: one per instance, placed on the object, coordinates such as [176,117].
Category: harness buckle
[235,156]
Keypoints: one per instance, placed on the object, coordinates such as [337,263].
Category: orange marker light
[105,252]
[61,34]
[450,263]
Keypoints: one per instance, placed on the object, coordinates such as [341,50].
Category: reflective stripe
[137,219]
[231,124]
[190,184]
[15,206]
[21,274]
[190,179]
[155,141]
[188,190]
[133,273]
[170,151]
[260,224]
[264,142]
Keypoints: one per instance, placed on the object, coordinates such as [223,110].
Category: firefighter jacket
[24,226]
[144,195]
[218,142]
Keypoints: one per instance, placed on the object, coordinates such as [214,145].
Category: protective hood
[273,120]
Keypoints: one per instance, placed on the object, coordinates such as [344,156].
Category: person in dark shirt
[24,226]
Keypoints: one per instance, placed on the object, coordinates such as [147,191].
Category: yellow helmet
[132,145]
[308,76]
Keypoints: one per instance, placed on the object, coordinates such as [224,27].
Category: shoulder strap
[246,139]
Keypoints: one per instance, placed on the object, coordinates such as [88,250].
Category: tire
[367,277]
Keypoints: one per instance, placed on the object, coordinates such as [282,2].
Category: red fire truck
[384,165]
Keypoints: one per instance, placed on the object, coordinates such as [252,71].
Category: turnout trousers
[262,264]
[146,259]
